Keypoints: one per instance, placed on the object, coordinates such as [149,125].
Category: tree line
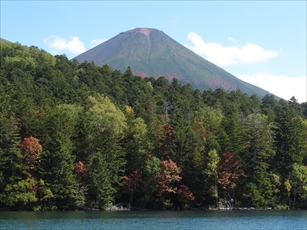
[76,135]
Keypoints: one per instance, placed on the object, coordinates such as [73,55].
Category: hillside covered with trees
[75,135]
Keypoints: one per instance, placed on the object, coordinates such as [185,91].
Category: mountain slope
[150,52]
[3,40]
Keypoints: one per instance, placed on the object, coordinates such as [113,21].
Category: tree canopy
[80,136]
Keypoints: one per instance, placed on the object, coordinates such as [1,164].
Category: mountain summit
[150,52]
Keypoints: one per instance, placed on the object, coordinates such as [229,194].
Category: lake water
[294,220]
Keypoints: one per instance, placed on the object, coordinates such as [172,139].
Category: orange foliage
[31,150]
[168,130]
[228,170]
[169,180]
[81,170]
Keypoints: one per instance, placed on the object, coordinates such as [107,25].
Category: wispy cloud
[221,55]
[96,42]
[74,45]
[282,86]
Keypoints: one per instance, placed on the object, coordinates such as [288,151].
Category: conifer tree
[260,151]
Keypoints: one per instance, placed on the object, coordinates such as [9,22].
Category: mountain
[150,52]
[3,40]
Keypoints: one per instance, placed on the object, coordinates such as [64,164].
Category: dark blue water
[155,220]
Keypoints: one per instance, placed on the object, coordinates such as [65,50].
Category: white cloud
[220,55]
[96,42]
[282,86]
[74,45]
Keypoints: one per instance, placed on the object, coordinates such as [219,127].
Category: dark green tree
[290,141]
[257,158]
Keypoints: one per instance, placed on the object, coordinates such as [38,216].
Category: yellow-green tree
[298,180]
[106,128]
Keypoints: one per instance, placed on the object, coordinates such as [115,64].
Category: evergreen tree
[100,189]
[260,151]
[57,161]
[290,141]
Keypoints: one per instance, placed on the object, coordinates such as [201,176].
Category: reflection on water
[155,220]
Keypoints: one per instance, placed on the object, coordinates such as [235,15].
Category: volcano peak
[155,54]
[141,30]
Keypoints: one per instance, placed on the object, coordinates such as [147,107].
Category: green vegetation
[79,136]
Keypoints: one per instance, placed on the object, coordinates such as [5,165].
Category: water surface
[155,220]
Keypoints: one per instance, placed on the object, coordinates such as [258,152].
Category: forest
[76,136]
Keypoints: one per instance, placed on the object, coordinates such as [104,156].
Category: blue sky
[261,42]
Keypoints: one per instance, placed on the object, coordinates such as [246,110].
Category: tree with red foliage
[31,151]
[185,195]
[132,183]
[169,182]
[169,177]
[228,171]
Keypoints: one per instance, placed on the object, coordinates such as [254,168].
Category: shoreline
[132,209]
